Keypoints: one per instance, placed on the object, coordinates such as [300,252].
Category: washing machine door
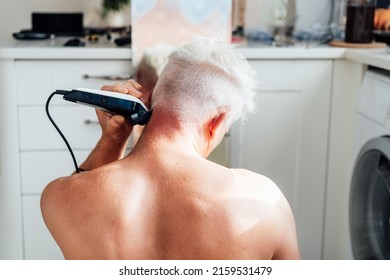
[369,207]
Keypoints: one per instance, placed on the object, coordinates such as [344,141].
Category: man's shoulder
[57,197]
[258,197]
[74,188]
[254,180]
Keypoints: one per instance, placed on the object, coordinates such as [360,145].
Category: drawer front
[77,122]
[38,242]
[40,168]
[36,80]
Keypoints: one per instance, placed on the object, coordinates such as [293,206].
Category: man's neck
[165,134]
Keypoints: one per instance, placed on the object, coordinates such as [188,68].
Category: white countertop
[375,57]
[53,49]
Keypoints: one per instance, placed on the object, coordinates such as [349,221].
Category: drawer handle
[109,77]
[90,122]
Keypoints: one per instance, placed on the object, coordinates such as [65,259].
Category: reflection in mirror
[148,70]
[176,22]
[159,26]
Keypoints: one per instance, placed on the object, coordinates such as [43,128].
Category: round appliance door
[369,207]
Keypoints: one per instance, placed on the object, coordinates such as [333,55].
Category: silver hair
[205,78]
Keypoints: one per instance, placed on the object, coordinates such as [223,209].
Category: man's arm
[281,221]
[115,130]
[287,245]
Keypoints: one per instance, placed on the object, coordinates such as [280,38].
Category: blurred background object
[269,14]
[360,21]
[382,21]
[383,4]
[238,17]
[116,12]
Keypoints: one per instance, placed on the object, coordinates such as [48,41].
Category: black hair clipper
[130,107]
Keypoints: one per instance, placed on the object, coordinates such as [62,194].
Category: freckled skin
[166,201]
[157,207]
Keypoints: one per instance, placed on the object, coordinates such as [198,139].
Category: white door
[286,140]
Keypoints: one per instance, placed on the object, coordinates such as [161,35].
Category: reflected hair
[205,78]
[151,65]
[154,59]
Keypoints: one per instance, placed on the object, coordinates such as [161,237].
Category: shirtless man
[165,200]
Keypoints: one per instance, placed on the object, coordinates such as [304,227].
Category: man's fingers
[136,85]
[130,87]
[116,88]
[118,120]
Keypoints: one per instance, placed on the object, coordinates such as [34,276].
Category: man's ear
[214,124]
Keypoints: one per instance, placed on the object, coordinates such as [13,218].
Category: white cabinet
[40,153]
[287,139]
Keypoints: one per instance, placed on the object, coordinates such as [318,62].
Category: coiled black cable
[61,92]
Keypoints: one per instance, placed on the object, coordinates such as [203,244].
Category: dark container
[360,21]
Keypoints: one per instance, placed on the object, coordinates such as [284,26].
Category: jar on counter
[360,21]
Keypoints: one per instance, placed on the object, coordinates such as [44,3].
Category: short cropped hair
[205,78]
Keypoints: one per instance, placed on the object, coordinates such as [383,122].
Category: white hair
[206,78]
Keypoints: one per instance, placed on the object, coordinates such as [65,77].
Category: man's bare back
[169,205]
[165,200]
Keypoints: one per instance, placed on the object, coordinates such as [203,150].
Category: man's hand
[382,19]
[115,129]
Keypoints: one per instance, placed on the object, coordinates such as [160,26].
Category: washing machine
[369,197]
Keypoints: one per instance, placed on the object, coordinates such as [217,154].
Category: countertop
[375,57]
[53,49]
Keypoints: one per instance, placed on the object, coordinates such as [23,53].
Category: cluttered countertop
[106,48]
[54,49]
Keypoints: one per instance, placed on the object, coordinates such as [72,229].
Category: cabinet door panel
[287,140]
[78,123]
[67,74]
[36,80]
[33,81]
[279,75]
[40,168]
[38,242]
[270,139]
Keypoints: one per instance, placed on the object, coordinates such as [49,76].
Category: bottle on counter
[360,21]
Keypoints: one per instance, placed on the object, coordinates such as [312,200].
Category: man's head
[206,79]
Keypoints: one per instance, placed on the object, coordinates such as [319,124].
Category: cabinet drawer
[77,122]
[36,80]
[40,168]
[38,242]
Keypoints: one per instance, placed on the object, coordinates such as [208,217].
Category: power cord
[61,92]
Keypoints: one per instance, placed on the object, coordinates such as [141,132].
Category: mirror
[175,22]
[159,26]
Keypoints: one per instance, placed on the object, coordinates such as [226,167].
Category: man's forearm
[105,152]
